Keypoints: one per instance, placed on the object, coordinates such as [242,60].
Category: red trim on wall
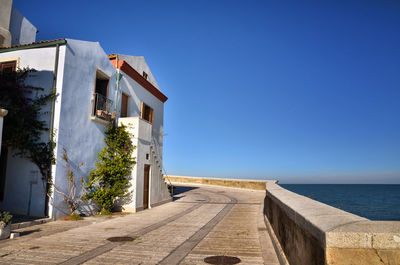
[113,61]
[132,73]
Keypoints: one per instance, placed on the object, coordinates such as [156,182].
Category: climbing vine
[23,127]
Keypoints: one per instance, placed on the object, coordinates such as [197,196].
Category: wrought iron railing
[102,107]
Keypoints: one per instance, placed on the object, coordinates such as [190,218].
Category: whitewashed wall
[140,131]
[139,64]
[82,137]
[158,191]
[25,191]
[22,31]
[138,94]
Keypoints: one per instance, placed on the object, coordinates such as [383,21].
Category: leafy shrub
[75,217]
[105,212]
[110,180]
[5,217]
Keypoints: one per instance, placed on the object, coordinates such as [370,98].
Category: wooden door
[124,105]
[146,186]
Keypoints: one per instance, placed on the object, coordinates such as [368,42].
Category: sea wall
[310,232]
[235,183]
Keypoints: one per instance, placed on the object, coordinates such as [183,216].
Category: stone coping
[3,112]
[235,183]
[30,223]
[227,179]
[333,227]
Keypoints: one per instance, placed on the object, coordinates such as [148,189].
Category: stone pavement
[202,221]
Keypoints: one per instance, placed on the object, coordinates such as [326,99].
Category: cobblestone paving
[202,221]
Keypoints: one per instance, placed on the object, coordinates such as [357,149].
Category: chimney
[5,17]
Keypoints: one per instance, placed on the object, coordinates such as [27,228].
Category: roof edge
[132,73]
[40,44]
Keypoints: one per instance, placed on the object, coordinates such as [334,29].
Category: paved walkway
[203,221]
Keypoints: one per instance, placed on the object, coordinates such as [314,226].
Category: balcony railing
[102,107]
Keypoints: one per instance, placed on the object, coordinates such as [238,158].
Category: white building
[142,111]
[14,27]
[90,86]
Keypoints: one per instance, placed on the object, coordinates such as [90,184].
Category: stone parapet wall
[310,232]
[235,183]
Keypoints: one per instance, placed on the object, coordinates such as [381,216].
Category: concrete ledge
[235,183]
[311,232]
[30,223]
[129,209]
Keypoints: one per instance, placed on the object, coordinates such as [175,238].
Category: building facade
[91,89]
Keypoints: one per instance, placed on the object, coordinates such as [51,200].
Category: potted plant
[5,228]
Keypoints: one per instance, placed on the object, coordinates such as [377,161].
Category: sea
[375,202]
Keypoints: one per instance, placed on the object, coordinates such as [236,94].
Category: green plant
[5,217]
[24,127]
[109,181]
[73,196]
[75,217]
[105,212]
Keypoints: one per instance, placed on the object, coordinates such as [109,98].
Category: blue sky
[301,92]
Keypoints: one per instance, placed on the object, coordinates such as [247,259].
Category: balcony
[139,128]
[102,107]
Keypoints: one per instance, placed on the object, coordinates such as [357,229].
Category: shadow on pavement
[23,218]
[24,233]
[179,190]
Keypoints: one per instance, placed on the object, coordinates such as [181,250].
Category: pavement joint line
[86,256]
[180,252]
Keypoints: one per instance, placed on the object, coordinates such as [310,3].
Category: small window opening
[124,105]
[102,105]
[147,113]
[145,75]
[8,69]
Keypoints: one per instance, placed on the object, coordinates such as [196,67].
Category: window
[146,113]
[101,105]
[145,75]
[124,105]
[7,69]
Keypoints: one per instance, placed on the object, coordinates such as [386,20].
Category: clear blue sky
[302,92]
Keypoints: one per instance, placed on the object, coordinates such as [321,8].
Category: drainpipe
[51,128]
[118,78]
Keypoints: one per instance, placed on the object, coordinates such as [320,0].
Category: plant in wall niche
[5,218]
[73,196]
[5,221]
[23,126]
[109,181]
